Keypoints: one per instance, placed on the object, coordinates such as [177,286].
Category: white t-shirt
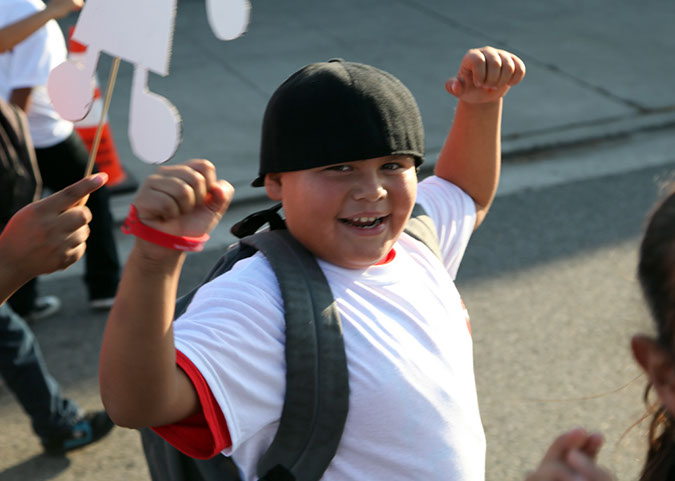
[413,409]
[28,64]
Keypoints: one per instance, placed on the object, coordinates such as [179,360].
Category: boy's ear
[657,363]
[273,185]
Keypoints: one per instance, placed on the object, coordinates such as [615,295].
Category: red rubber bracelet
[133,225]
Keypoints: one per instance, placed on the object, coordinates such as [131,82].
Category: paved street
[549,277]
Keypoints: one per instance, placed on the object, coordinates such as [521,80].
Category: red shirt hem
[205,433]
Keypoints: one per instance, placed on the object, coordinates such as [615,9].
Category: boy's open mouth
[363,222]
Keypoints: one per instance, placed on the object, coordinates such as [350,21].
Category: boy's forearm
[138,372]
[17,32]
[471,155]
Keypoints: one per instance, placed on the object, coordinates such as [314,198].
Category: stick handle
[108,95]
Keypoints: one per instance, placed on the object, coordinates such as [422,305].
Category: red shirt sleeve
[205,433]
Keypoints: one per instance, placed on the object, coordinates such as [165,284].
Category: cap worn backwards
[332,112]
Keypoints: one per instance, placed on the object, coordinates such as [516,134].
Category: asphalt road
[548,280]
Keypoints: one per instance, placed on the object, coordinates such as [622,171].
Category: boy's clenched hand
[485,75]
[184,200]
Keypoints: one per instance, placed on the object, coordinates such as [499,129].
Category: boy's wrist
[151,254]
[487,106]
[50,13]
[133,226]
[54,11]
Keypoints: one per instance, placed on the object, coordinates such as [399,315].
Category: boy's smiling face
[348,214]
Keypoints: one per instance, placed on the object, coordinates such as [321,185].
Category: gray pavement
[586,138]
[594,69]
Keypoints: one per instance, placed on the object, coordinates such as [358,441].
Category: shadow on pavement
[38,468]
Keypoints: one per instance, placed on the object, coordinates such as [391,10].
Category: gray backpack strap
[317,382]
[421,227]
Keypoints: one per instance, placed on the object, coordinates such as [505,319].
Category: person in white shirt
[340,149]
[26,60]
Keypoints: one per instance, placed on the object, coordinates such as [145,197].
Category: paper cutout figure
[228,18]
[140,32]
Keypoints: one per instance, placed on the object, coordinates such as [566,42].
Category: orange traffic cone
[107,159]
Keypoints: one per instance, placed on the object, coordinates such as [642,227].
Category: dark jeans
[60,166]
[23,370]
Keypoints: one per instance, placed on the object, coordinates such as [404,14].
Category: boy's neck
[388,258]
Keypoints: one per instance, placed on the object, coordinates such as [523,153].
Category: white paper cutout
[228,19]
[140,32]
[71,86]
[154,133]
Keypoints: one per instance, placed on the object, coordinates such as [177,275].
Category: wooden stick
[106,104]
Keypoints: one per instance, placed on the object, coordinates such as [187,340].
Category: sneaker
[88,429]
[102,304]
[44,306]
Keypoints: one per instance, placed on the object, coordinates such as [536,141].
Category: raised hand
[183,200]
[485,75]
[49,234]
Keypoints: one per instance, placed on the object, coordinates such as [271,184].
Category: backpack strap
[316,401]
[317,382]
[251,224]
[422,228]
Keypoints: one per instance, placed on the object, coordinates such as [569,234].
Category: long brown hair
[656,272]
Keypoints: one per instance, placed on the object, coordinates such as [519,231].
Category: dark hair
[656,272]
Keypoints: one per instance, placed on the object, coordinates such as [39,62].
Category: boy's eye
[399,162]
[339,168]
[392,166]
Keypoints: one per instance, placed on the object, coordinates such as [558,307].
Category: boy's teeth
[364,222]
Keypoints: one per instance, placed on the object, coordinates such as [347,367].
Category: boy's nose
[370,188]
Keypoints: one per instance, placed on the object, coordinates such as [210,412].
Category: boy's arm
[46,236]
[141,385]
[17,32]
[471,155]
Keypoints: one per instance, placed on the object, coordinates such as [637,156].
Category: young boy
[341,144]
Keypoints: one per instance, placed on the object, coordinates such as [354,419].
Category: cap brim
[259,182]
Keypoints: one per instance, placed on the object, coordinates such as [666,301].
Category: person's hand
[61,8]
[572,457]
[183,200]
[485,75]
[50,234]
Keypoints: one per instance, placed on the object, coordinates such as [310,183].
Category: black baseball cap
[332,112]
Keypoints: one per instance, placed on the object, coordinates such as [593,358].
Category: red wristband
[133,225]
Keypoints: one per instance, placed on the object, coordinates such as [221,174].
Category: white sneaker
[44,306]
[102,304]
